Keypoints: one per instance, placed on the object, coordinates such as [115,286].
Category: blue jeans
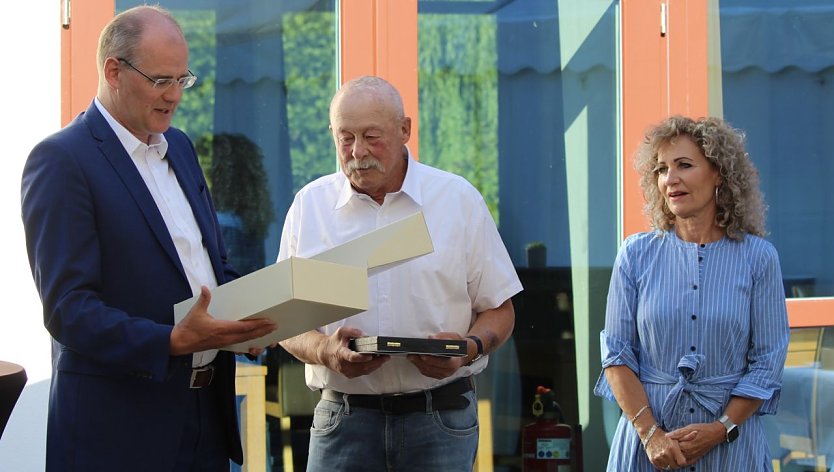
[358,439]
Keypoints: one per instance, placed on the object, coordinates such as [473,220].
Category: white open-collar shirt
[468,272]
[165,189]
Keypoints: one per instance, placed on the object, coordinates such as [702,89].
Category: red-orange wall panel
[79,77]
[662,74]
[379,37]
[644,95]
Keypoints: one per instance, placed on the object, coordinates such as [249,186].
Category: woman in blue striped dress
[696,328]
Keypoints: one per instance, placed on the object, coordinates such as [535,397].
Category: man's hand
[335,354]
[438,367]
[199,331]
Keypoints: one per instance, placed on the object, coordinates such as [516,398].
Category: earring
[716,193]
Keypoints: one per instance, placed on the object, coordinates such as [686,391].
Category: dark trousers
[203,445]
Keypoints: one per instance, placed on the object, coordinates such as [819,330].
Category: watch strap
[480,349]
[732,428]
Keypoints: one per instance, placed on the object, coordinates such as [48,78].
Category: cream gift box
[301,294]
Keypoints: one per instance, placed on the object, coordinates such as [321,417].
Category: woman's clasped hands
[683,446]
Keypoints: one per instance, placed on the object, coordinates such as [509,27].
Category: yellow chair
[249,383]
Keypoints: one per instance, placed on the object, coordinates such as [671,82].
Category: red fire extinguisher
[548,445]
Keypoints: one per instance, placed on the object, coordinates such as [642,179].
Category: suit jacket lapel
[113,151]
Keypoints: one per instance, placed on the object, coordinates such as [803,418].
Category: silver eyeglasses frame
[165,83]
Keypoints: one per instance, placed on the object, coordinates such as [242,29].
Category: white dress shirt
[468,272]
[161,181]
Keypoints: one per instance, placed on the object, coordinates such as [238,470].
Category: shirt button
[694,317]
[700,258]
[703,245]
[694,287]
[692,410]
[692,348]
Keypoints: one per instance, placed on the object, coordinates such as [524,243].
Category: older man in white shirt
[415,412]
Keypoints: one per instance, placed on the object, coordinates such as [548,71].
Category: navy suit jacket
[108,275]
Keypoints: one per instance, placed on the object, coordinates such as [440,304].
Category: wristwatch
[480,353]
[732,428]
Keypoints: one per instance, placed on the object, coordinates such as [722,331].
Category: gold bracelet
[639,412]
[649,436]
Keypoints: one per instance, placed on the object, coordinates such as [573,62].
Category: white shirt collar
[410,186]
[130,142]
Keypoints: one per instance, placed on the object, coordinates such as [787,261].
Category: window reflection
[801,434]
[519,97]
[241,197]
[267,71]
[777,62]
[258,116]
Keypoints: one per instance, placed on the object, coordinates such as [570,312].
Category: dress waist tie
[706,391]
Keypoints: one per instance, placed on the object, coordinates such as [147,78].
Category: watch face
[732,434]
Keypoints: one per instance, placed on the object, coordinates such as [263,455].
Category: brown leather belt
[202,376]
[445,397]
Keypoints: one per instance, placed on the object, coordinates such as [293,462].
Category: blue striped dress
[697,324]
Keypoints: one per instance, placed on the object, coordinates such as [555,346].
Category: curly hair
[740,205]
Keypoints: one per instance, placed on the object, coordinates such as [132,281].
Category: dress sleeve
[619,341]
[769,334]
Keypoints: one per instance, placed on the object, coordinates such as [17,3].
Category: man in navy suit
[119,227]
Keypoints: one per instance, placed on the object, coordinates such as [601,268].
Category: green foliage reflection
[195,114]
[309,62]
[459,99]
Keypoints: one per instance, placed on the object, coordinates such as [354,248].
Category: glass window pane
[258,113]
[258,116]
[777,62]
[801,434]
[519,97]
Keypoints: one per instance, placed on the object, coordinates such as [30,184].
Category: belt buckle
[201,376]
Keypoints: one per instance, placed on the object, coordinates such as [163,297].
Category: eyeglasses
[163,84]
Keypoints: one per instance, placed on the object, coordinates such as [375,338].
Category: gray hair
[122,34]
[379,87]
[740,205]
